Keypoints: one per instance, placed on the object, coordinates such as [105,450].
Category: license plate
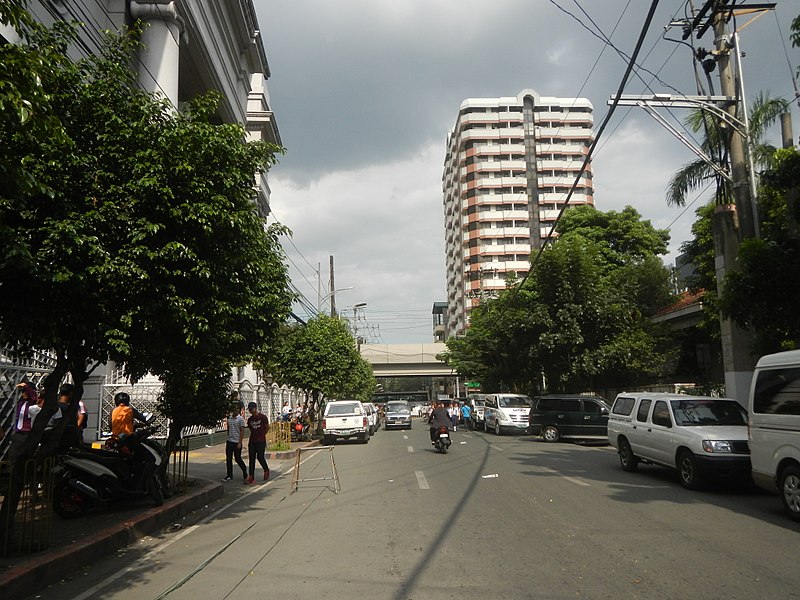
[345,431]
[443,435]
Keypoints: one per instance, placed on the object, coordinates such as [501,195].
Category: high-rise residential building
[509,167]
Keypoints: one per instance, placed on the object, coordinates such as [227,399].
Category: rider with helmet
[122,417]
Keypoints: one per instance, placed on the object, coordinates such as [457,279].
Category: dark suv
[557,416]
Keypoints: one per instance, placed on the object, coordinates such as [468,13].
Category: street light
[332,296]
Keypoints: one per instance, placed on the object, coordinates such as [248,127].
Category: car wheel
[497,429]
[687,468]
[365,437]
[326,440]
[551,434]
[627,459]
[789,485]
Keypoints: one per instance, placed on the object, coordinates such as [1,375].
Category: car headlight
[502,416]
[717,446]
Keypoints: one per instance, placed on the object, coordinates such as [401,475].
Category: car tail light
[324,424]
[365,421]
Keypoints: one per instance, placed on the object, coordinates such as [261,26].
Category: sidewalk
[77,542]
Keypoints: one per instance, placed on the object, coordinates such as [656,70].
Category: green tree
[696,174]
[764,292]
[322,358]
[580,321]
[132,234]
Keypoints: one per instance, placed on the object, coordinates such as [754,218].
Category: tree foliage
[138,238]
[580,321]
[321,357]
[763,293]
[714,144]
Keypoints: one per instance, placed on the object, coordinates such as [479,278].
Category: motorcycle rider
[122,423]
[438,418]
[122,417]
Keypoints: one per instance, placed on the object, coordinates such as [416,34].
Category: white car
[372,416]
[699,436]
[344,419]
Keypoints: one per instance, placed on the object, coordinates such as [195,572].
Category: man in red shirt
[258,424]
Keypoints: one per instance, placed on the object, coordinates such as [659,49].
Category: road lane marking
[493,447]
[405,437]
[576,481]
[410,448]
[570,479]
[423,483]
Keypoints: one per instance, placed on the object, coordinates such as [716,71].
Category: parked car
[476,403]
[372,416]
[557,416]
[398,415]
[700,436]
[774,418]
[344,419]
[506,412]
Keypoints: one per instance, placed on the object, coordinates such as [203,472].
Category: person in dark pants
[258,424]
[439,417]
[233,444]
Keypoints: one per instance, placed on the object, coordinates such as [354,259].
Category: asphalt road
[497,517]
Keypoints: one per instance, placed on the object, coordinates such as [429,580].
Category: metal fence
[29,531]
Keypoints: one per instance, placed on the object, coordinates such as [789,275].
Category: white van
[774,419]
[506,412]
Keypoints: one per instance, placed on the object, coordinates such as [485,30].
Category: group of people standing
[258,425]
[28,407]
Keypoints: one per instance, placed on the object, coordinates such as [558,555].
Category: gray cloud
[365,92]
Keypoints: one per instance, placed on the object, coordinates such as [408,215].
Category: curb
[289,454]
[39,570]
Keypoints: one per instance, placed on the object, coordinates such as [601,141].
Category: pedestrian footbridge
[397,360]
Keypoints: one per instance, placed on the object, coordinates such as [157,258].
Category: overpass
[397,360]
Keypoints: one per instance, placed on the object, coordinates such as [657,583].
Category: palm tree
[695,174]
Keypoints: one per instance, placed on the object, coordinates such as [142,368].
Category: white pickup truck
[345,419]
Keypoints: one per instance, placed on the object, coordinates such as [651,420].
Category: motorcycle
[299,431]
[442,442]
[97,478]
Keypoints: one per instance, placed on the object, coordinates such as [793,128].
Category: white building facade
[509,166]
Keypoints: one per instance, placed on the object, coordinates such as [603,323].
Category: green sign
[472,384]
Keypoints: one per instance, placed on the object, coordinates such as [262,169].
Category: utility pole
[333,288]
[732,223]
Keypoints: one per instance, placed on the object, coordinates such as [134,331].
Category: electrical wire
[586,160]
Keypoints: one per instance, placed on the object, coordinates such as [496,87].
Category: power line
[586,160]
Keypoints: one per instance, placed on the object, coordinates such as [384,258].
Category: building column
[159,55]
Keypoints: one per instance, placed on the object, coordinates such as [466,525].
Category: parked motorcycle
[299,431]
[442,442]
[96,478]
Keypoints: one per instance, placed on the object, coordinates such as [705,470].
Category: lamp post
[332,296]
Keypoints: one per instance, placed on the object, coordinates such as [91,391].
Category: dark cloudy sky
[366,91]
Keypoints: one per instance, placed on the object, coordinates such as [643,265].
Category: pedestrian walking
[233,443]
[466,413]
[258,424]
[453,412]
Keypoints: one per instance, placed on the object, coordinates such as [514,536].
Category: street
[496,517]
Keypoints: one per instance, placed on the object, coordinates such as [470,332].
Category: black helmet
[122,398]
